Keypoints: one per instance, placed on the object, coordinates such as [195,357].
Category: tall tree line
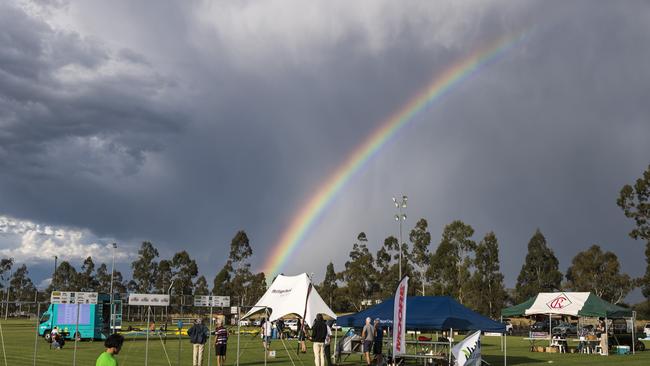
[467,270]
[150,274]
[459,264]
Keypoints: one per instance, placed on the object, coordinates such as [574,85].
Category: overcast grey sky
[181,122]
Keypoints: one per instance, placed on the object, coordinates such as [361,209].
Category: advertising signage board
[67,297]
[214,301]
[149,299]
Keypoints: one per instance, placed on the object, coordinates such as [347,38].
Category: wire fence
[180,305]
[160,323]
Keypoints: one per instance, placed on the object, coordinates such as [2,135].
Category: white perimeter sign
[65,297]
[215,301]
[468,352]
[149,299]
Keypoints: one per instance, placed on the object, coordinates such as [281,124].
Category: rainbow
[304,220]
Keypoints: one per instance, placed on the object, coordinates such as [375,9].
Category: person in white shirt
[55,338]
[266,334]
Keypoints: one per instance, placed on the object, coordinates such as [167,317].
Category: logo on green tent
[560,302]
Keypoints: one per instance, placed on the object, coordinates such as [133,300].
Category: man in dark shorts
[377,346]
[280,326]
[368,336]
[220,343]
[328,341]
[301,336]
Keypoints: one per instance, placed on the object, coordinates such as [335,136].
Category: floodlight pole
[112,312]
[56,258]
[400,217]
[7,296]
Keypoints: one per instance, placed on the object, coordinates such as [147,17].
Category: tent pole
[633,326]
[392,340]
[505,348]
[266,344]
[336,332]
[451,332]
[606,351]
[504,334]
[550,331]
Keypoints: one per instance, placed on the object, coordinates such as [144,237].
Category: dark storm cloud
[60,89]
[72,113]
[545,137]
[189,121]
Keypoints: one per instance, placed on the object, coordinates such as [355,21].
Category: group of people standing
[57,339]
[199,335]
[373,337]
[321,334]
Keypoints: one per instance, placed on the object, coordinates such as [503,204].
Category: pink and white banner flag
[399,318]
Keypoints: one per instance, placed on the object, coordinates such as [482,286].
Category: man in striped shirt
[220,343]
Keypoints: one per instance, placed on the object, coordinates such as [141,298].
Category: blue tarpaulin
[426,313]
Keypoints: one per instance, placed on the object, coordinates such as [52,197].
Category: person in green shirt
[113,345]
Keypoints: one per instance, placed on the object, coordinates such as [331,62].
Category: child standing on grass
[221,341]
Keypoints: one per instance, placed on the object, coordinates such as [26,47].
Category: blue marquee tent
[426,313]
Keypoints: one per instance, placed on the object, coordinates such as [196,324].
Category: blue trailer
[94,319]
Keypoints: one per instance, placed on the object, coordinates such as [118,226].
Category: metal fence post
[76,336]
[210,336]
[146,345]
[38,311]
[180,347]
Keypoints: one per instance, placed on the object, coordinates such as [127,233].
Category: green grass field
[19,346]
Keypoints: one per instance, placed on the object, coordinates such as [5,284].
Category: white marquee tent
[291,296]
[575,304]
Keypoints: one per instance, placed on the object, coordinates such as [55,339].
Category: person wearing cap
[198,336]
[368,336]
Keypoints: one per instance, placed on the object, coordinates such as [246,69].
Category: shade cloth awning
[426,313]
[568,303]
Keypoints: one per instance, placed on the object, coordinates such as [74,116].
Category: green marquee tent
[583,304]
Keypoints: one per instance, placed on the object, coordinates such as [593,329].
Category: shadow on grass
[495,360]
